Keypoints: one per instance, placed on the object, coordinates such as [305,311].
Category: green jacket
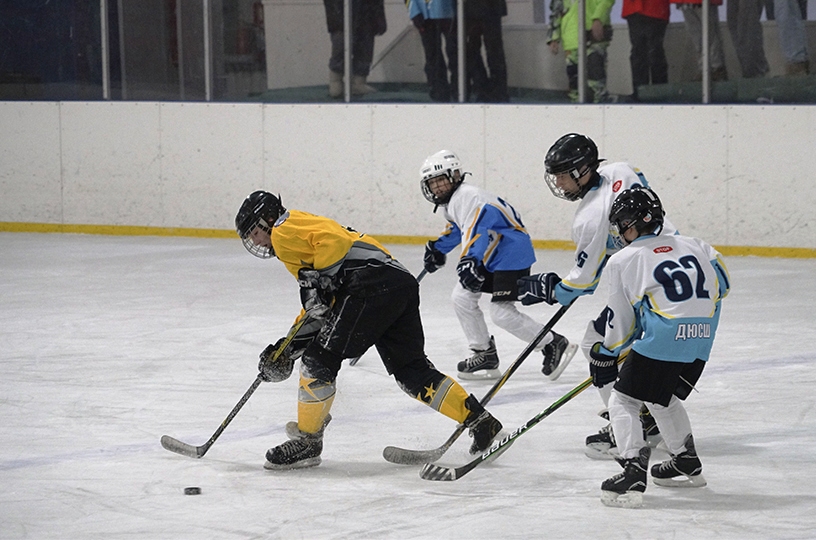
[564,20]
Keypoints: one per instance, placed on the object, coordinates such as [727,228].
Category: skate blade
[630,499]
[302,464]
[681,481]
[482,374]
[600,452]
[565,360]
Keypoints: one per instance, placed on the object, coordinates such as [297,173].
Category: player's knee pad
[464,299]
[505,315]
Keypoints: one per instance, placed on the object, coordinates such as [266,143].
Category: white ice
[108,343]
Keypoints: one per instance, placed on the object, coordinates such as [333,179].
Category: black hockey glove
[538,288]
[602,367]
[470,274]
[434,259]
[276,369]
[279,369]
[315,292]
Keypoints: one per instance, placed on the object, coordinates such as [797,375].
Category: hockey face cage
[571,157]
[255,218]
[439,189]
[259,250]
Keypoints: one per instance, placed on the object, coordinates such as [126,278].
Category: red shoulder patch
[616,186]
[663,249]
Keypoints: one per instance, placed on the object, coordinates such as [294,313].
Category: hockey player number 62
[677,283]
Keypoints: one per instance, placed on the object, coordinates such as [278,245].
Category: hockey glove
[274,369]
[419,22]
[434,259]
[538,288]
[602,367]
[470,274]
[315,292]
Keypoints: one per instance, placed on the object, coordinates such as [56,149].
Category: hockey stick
[405,456]
[353,361]
[432,471]
[174,445]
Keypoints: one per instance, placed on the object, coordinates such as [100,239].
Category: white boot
[359,86]
[335,84]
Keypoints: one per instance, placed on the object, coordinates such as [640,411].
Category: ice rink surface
[108,343]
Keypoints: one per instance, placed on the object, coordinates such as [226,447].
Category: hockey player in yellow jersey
[354,295]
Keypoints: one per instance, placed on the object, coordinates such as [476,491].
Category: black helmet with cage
[638,207]
[573,154]
[261,209]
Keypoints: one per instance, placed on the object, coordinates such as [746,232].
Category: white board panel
[30,181]
[111,163]
[211,155]
[771,193]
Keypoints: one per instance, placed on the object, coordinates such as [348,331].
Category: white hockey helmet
[438,177]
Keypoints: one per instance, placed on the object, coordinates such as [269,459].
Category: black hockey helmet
[260,209]
[637,207]
[576,155]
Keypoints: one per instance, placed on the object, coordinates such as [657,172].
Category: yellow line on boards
[563,245]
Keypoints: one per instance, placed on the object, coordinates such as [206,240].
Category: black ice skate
[602,445]
[483,426]
[482,365]
[295,454]
[682,470]
[557,354]
[625,489]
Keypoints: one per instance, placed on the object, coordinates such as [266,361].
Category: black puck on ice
[192,491]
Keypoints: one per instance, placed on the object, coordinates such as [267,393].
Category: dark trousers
[647,57]
[490,88]
[442,86]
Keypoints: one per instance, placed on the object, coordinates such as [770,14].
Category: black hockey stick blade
[405,456]
[431,471]
[174,445]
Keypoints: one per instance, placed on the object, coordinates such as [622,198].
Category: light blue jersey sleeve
[449,239]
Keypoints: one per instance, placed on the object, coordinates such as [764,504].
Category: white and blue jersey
[590,230]
[488,228]
[665,298]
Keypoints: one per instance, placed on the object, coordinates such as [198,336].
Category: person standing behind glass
[434,19]
[563,33]
[746,33]
[367,21]
[483,24]
[647,21]
[693,18]
[790,21]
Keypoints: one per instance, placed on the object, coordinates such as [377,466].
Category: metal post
[706,64]
[103,30]
[122,70]
[582,51]
[347,50]
[208,83]
[180,47]
[460,48]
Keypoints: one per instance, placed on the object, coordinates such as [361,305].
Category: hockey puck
[192,491]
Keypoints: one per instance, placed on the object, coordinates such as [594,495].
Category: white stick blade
[174,445]
[403,456]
